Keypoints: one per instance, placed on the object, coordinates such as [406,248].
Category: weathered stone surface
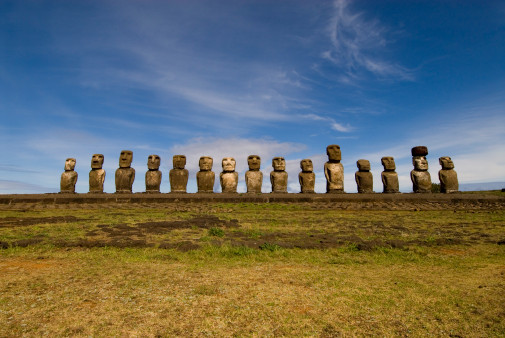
[448,176]
[421,179]
[307,178]
[228,177]
[389,176]
[153,174]
[334,170]
[205,178]
[363,177]
[68,177]
[254,177]
[178,175]
[125,175]
[97,174]
[279,177]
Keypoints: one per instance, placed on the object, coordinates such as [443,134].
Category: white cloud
[355,43]
[330,121]
[339,127]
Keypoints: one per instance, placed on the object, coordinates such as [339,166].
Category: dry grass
[429,286]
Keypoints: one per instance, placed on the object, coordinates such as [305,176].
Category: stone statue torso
[448,180]
[390,182]
[334,173]
[254,180]
[124,179]
[205,181]
[421,181]
[96,179]
[68,181]
[364,180]
[178,180]
[279,180]
[307,181]
[153,180]
[229,181]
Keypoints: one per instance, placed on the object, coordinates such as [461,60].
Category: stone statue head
[363,165]
[205,163]
[153,162]
[179,161]
[306,165]
[419,158]
[389,163]
[97,161]
[254,162]
[420,163]
[228,164]
[125,159]
[279,163]
[69,164]
[333,152]
[446,163]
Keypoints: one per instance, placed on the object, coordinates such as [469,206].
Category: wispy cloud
[355,44]
[7,186]
[330,121]
[195,80]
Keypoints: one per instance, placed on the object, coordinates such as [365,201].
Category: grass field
[251,270]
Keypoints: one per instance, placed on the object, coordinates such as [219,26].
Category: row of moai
[333,171]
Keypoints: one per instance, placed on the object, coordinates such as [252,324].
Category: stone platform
[379,201]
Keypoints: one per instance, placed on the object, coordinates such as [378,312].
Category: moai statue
[334,170]
[229,177]
[389,176]
[125,174]
[178,175]
[421,179]
[307,178]
[69,177]
[363,177]
[205,177]
[153,174]
[254,177]
[97,174]
[448,177]
[279,177]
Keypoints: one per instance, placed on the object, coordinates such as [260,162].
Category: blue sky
[234,78]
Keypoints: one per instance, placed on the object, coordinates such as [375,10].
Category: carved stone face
[333,152]
[420,163]
[179,161]
[279,163]
[254,162]
[363,165]
[306,165]
[228,164]
[97,161]
[205,163]
[125,159]
[389,163]
[69,164]
[153,162]
[446,163]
